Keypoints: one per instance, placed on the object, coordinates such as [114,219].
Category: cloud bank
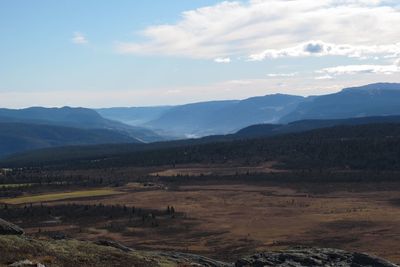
[261,29]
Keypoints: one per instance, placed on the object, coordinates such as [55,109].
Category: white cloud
[79,38]
[222,60]
[258,27]
[324,77]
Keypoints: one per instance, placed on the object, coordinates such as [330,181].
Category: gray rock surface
[312,257]
[7,228]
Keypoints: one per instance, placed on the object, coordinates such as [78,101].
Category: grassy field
[59,196]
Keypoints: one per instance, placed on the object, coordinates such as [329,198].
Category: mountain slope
[378,99]
[222,117]
[74,117]
[19,137]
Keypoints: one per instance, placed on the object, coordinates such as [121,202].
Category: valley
[221,215]
[319,182]
[201,133]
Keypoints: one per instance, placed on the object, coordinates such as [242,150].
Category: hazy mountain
[189,120]
[378,99]
[133,115]
[19,137]
[222,117]
[74,117]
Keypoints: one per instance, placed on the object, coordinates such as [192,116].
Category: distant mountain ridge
[380,99]
[34,128]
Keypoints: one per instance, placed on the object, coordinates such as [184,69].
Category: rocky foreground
[22,251]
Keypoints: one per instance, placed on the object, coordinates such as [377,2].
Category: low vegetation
[59,196]
[74,253]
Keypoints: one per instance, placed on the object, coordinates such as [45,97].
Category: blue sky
[99,53]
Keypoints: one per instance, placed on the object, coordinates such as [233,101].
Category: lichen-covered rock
[312,257]
[26,263]
[7,228]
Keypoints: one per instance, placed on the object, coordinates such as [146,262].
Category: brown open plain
[241,218]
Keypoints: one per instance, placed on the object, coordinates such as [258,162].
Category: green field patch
[59,196]
[5,186]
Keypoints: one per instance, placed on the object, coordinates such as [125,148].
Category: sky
[101,53]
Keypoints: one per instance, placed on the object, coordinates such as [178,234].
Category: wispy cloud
[282,74]
[361,69]
[79,38]
[261,28]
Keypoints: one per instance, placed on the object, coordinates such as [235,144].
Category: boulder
[7,228]
[315,257]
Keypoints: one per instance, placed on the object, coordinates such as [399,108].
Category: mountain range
[38,127]
[225,117]
[82,118]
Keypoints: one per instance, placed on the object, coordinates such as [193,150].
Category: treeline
[363,147]
[309,176]
[30,215]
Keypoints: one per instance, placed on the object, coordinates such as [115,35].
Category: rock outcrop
[312,257]
[7,228]
[24,251]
